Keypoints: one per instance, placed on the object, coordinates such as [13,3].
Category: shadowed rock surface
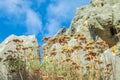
[61,31]
[103,16]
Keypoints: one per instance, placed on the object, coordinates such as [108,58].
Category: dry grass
[66,62]
[60,63]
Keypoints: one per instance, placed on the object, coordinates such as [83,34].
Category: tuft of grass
[60,60]
[66,61]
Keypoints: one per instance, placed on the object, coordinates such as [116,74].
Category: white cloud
[62,11]
[52,27]
[20,9]
[58,12]
[14,7]
[33,22]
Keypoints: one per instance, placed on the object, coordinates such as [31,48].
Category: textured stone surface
[61,31]
[103,16]
[115,60]
[104,21]
[10,44]
[98,21]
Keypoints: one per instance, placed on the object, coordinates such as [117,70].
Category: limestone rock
[103,17]
[104,21]
[102,2]
[15,45]
[61,31]
[109,57]
[98,21]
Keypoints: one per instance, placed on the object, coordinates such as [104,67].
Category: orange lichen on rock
[45,39]
[79,37]
[17,40]
[114,50]
[53,53]
[90,43]
[77,47]
[68,59]
[67,49]
[109,65]
[103,43]
[92,53]
[88,47]
[88,58]
[63,39]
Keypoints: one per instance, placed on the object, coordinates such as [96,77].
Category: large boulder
[16,47]
[99,22]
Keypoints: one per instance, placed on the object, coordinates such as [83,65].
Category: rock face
[16,46]
[81,44]
[98,21]
[102,16]
[61,31]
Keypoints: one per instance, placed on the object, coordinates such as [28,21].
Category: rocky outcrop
[98,21]
[16,48]
[61,31]
[103,17]
[88,49]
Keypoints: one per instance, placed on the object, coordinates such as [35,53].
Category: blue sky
[38,17]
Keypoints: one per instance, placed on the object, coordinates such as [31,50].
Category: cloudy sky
[39,17]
